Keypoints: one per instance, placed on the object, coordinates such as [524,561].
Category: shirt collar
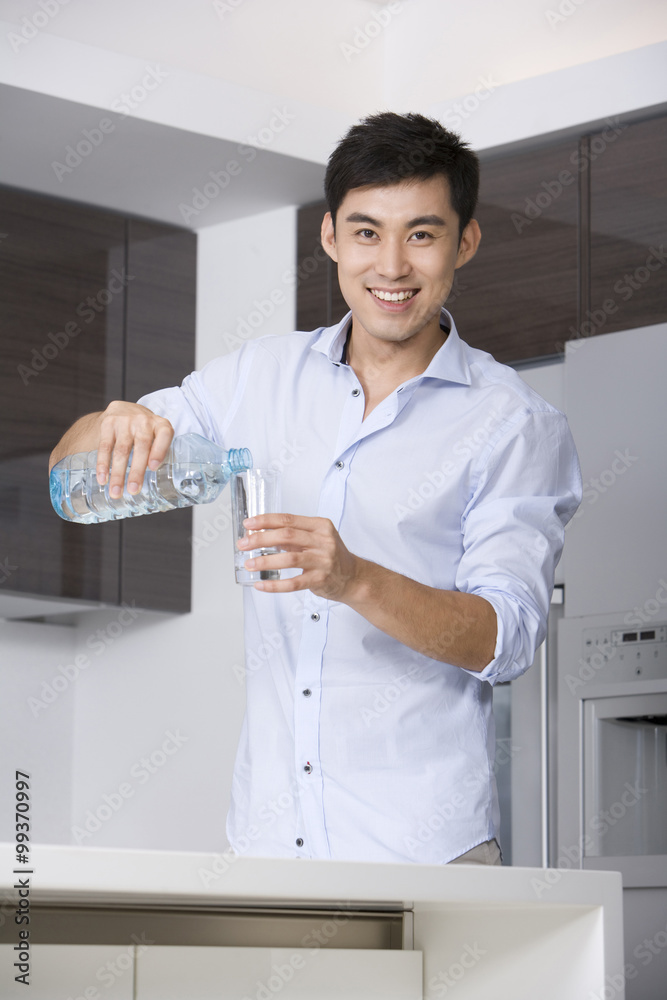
[449,364]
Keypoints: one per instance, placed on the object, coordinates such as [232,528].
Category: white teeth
[392,296]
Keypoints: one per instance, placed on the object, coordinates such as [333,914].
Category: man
[425,509]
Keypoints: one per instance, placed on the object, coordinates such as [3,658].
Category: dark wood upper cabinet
[62,351]
[628,222]
[319,300]
[567,228]
[82,300]
[161,303]
[517,298]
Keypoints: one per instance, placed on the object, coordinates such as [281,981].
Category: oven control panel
[626,653]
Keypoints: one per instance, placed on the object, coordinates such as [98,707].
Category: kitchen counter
[501,932]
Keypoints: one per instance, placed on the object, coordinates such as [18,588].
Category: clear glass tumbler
[254,491]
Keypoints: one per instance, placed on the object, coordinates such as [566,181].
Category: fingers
[287,521]
[141,448]
[164,435]
[128,428]
[104,449]
[287,539]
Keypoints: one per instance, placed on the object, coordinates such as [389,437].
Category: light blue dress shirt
[355,747]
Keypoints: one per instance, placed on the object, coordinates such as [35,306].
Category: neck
[389,361]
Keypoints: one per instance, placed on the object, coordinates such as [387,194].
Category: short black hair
[388,148]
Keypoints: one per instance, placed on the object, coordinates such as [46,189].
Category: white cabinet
[205,973]
[70,972]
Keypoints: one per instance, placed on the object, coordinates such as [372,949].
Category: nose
[392,259]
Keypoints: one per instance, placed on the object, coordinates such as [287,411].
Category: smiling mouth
[399,296]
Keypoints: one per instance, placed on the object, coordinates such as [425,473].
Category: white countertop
[68,874]
[551,933]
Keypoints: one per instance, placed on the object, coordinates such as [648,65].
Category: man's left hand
[311,544]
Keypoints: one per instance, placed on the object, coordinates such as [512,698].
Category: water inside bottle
[76,494]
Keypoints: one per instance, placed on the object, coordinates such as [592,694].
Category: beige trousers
[487,853]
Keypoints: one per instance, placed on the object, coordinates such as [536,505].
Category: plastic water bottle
[195,471]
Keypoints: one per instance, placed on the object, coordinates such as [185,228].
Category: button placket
[307,680]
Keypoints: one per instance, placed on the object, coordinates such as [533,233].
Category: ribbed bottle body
[195,471]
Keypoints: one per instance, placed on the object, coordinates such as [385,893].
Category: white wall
[227,62]
[436,51]
[37,725]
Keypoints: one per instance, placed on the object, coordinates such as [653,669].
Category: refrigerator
[588,722]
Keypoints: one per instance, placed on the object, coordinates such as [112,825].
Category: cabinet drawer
[76,971]
[173,973]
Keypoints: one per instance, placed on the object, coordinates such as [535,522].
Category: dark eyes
[419,236]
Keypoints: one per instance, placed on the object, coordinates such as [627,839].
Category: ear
[328,237]
[469,242]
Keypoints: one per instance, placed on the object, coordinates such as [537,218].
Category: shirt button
[307,693]
[355,392]
[308,768]
[340,465]
[315,617]
[299,842]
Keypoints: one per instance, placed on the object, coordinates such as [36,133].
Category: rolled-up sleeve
[527,486]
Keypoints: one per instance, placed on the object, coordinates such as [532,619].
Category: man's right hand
[125,428]
[114,433]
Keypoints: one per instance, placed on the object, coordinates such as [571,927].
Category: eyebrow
[421,220]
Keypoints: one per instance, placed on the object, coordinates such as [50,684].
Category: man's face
[397,248]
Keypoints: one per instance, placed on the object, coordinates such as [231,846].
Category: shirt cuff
[510,657]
